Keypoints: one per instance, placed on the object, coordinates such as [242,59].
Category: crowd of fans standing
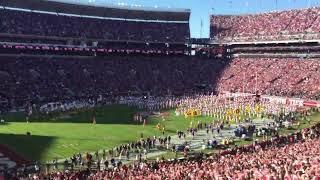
[291,77]
[53,79]
[282,25]
[18,22]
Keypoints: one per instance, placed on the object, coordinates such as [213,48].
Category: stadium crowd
[294,156]
[41,24]
[291,77]
[282,25]
[38,79]
[49,79]
[55,79]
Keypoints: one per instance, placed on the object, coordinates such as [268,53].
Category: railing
[35,37]
[279,37]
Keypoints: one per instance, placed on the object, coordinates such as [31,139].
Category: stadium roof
[113,11]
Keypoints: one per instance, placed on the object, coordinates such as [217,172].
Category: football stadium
[93,90]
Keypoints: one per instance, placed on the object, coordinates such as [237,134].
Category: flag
[248,108]
[258,108]
[237,111]
[188,113]
[94,120]
[29,110]
[229,113]
[192,112]
[158,126]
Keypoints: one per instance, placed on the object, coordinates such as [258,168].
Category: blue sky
[201,9]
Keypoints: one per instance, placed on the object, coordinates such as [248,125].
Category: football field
[62,135]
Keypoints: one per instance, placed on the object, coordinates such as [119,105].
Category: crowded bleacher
[274,76]
[51,79]
[17,22]
[269,26]
[41,78]
[142,74]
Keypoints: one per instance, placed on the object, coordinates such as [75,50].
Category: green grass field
[60,136]
[313,119]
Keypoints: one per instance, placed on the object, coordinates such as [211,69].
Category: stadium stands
[15,22]
[275,76]
[52,78]
[271,26]
[34,74]
[105,9]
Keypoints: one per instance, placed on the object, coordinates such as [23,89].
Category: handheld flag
[94,120]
